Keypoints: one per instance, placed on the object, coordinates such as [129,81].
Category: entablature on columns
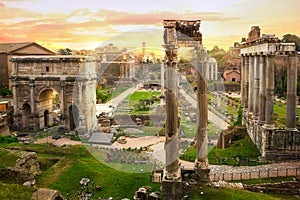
[268,49]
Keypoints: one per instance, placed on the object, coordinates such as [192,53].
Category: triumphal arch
[50,90]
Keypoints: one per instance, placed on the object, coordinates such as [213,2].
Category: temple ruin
[257,87]
[183,33]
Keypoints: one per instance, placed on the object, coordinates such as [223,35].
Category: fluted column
[32,102]
[162,80]
[269,115]
[251,84]
[201,163]
[202,119]
[291,92]
[246,84]
[242,80]
[15,96]
[216,71]
[172,122]
[62,102]
[256,88]
[262,89]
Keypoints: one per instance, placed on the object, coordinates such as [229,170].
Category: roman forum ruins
[43,85]
[257,85]
[182,33]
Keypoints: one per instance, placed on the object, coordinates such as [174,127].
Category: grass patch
[138,95]
[15,191]
[264,180]
[239,153]
[7,158]
[75,163]
[221,193]
[114,183]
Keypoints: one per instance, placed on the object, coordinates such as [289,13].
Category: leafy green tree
[292,38]
[65,51]
[5,92]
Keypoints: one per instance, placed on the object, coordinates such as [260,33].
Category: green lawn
[243,149]
[63,168]
[221,193]
[15,191]
[7,159]
[137,95]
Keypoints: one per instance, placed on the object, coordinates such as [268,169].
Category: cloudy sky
[86,24]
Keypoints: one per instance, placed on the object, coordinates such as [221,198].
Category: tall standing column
[216,71]
[246,86]
[62,102]
[256,88]
[15,96]
[162,80]
[262,89]
[269,115]
[242,80]
[171,144]
[32,101]
[291,91]
[251,84]
[202,117]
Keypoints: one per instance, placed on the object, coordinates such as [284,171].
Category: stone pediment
[32,49]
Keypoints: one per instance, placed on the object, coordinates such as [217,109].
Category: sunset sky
[79,24]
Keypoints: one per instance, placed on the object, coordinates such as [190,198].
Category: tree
[5,92]
[65,51]
[292,38]
[221,57]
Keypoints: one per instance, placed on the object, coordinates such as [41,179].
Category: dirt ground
[139,142]
[58,142]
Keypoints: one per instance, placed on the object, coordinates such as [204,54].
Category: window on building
[47,69]
[233,80]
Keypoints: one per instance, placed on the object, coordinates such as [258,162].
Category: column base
[171,188]
[269,126]
[291,129]
[203,174]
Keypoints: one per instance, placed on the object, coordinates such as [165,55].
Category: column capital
[32,83]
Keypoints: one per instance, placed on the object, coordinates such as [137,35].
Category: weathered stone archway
[44,82]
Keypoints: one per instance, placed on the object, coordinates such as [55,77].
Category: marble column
[256,88]
[269,115]
[262,89]
[62,102]
[251,85]
[172,121]
[246,84]
[201,164]
[122,75]
[162,80]
[215,71]
[242,80]
[32,102]
[291,91]
[15,96]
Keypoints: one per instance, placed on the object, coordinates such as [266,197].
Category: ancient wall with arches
[48,89]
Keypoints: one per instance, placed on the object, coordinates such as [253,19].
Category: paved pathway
[218,121]
[115,101]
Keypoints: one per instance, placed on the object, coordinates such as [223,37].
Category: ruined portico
[183,33]
[43,85]
[258,66]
